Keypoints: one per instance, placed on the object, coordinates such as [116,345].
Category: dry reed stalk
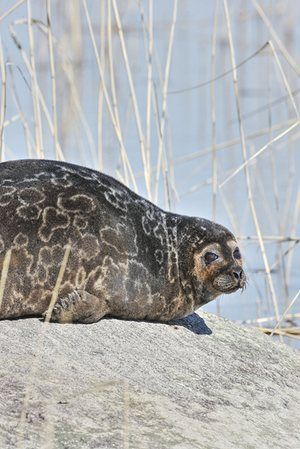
[149,82]
[13,8]
[282,145]
[134,100]
[259,187]
[73,12]
[148,44]
[170,190]
[289,197]
[28,136]
[108,103]
[214,167]
[164,101]
[40,351]
[271,152]
[65,51]
[100,90]
[293,331]
[283,332]
[4,272]
[280,259]
[230,212]
[229,143]
[53,82]
[195,188]
[172,176]
[218,77]
[39,93]
[288,317]
[293,232]
[167,158]
[259,152]
[57,284]
[279,320]
[167,165]
[246,171]
[268,105]
[155,60]
[68,70]
[271,238]
[167,168]
[284,78]
[3,98]
[257,176]
[124,158]
[285,253]
[10,121]
[213,113]
[167,199]
[275,36]
[288,203]
[34,86]
[76,38]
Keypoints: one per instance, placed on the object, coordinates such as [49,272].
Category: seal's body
[127,259]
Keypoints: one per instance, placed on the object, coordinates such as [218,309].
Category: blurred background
[192,104]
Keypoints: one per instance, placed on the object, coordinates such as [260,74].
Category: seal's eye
[210,257]
[237,254]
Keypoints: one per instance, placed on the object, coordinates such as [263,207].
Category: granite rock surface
[201,382]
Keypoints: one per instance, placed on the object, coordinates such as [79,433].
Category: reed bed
[192,104]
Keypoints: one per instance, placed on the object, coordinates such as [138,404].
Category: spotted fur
[128,258]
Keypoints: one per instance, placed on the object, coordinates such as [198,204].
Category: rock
[195,383]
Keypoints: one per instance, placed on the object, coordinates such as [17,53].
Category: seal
[128,258]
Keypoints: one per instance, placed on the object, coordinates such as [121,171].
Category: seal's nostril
[238,273]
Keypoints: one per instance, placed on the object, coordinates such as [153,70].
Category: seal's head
[219,266]
[210,262]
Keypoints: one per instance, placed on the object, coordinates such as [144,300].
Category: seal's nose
[238,273]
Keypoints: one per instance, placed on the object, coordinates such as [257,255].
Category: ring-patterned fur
[128,258]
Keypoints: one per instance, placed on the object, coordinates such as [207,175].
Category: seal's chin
[229,290]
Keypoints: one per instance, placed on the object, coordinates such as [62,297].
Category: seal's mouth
[226,283]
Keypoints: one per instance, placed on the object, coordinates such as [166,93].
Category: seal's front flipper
[79,307]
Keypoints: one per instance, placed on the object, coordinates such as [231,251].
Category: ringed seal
[128,258]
